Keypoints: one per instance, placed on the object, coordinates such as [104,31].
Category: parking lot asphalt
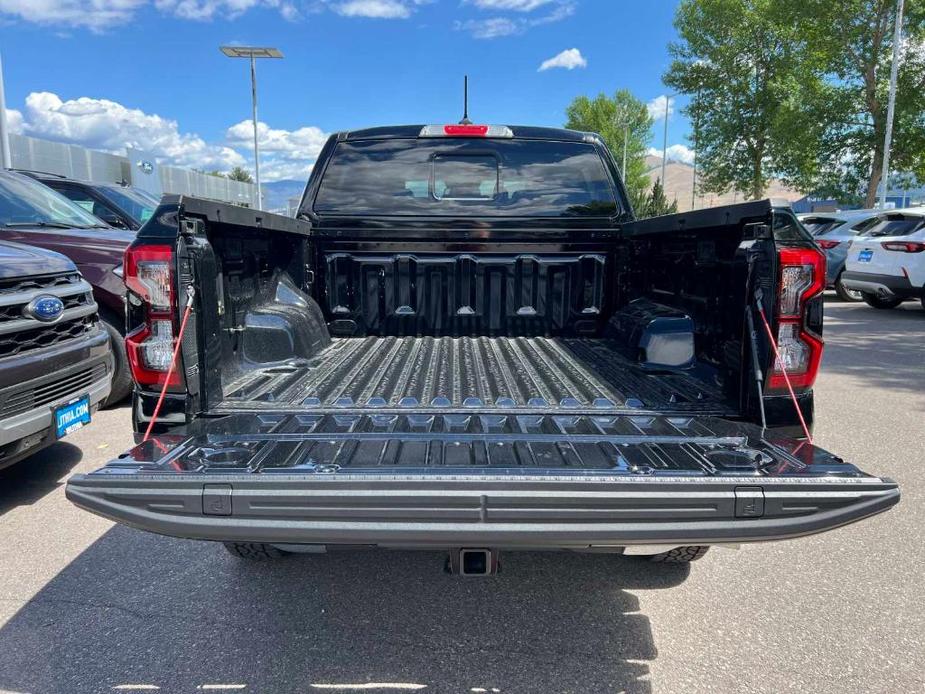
[86,606]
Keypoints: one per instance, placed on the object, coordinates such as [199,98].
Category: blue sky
[106,73]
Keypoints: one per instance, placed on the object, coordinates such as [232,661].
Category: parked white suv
[887,263]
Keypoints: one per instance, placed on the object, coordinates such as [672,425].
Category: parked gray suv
[55,359]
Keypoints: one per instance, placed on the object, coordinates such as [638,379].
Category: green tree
[656,204]
[614,118]
[839,119]
[240,174]
[739,60]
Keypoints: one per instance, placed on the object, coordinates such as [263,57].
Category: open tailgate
[480,479]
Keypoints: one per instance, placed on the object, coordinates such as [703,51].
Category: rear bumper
[467,510]
[881,285]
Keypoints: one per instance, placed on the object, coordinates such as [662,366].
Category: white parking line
[366,686]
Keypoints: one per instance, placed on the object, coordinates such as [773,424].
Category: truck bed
[472,372]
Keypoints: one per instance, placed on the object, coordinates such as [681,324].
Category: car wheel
[846,294]
[880,302]
[679,555]
[256,551]
[121,374]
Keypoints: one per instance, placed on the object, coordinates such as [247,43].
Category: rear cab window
[466,177]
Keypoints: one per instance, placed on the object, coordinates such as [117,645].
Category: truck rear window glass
[463,176]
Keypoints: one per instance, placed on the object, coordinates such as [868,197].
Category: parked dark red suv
[34,214]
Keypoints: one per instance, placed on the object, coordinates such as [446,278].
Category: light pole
[626,135]
[696,126]
[888,137]
[668,98]
[253,52]
[626,130]
[5,157]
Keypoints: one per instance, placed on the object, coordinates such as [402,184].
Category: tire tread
[254,550]
[680,555]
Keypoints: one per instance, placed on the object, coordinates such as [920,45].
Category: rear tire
[878,302]
[679,555]
[121,374]
[846,294]
[256,551]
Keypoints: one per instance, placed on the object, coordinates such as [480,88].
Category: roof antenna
[465,119]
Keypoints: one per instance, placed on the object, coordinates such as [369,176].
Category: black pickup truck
[466,341]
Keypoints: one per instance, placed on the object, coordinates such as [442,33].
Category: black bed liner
[473,372]
[356,440]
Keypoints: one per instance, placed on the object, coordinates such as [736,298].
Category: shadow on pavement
[32,478]
[881,348]
[140,609]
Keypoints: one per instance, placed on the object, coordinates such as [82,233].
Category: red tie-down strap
[783,370]
[173,362]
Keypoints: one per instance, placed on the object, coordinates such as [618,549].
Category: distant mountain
[679,184]
[276,194]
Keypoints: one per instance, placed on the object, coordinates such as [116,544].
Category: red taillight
[466,130]
[149,274]
[828,245]
[904,246]
[802,277]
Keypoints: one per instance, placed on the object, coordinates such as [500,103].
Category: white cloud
[14,120]
[110,126]
[93,14]
[283,153]
[495,27]
[490,28]
[681,153]
[656,107]
[376,9]
[510,5]
[568,59]
[228,9]
[99,15]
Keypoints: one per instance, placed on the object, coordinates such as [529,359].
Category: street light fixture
[253,52]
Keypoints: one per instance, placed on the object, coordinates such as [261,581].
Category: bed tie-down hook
[190,295]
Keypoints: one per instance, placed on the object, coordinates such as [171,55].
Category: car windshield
[896,225]
[136,206]
[466,176]
[25,201]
